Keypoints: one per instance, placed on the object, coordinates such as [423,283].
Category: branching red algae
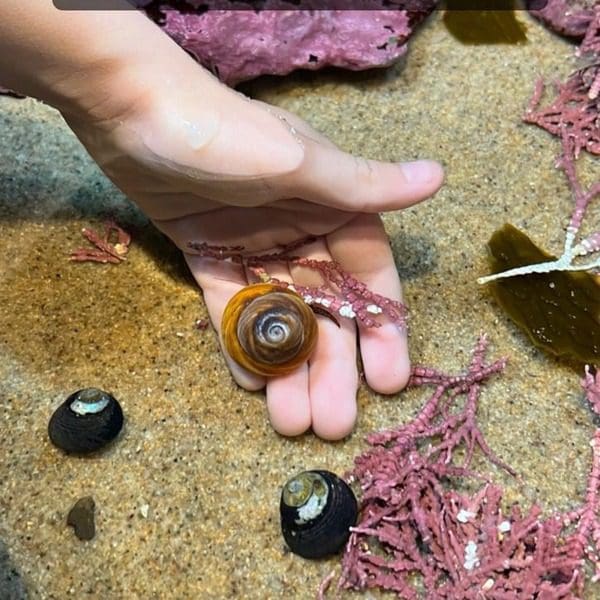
[574,114]
[104,251]
[340,294]
[419,538]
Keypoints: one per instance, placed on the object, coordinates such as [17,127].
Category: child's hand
[207,164]
[214,167]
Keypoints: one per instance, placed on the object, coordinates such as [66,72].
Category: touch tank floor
[187,499]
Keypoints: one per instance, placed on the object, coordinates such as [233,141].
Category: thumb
[334,178]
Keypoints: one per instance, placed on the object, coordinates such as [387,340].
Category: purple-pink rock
[238,45]
[566,17]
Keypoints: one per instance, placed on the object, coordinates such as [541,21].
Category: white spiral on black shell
[308,494]
[317,509]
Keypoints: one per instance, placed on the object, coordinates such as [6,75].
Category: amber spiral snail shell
[269,330]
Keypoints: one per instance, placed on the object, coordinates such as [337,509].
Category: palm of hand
[321,394]
[284,183]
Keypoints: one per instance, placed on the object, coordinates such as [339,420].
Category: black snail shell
[269,330]
[86,421]
[317,510]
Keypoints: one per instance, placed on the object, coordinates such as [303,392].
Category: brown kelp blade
[559,311]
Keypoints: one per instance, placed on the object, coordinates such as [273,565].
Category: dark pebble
[81,518]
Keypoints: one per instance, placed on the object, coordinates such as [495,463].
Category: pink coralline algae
[573,113]
[241,44]
[419,538]
[575,110]
[340,295]
[104,250]
[591,385]
[574,250]
[582,199]
[574,116]
[567,17]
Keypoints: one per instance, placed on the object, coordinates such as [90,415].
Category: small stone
[144,510]
[81,518]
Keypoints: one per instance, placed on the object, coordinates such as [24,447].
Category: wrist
[129,83]
[121,78]
[92,65]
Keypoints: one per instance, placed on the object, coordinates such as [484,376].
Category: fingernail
[421,171]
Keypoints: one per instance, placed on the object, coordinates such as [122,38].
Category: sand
[187,499]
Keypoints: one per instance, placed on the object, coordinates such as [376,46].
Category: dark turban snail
[268,330]
[86,421]
[317,509]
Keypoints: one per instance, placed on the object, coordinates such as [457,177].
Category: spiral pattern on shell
[317,509]
[268,330]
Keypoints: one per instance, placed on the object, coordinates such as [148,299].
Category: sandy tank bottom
[187,499]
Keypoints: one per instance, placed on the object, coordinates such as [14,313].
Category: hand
[208,165]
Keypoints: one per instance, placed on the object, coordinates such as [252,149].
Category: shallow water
[187,499]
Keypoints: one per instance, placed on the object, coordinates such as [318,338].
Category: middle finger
[333,374]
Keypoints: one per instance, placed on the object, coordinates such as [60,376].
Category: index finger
[340,180]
